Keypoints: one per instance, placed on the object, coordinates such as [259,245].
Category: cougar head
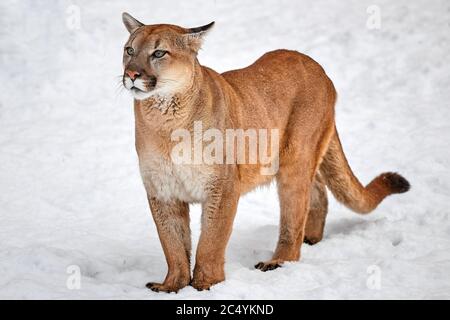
[160,59]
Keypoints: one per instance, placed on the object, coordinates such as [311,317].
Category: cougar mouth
[140,88]
[140,94]
[137,90]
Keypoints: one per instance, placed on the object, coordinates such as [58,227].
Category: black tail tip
[396,182]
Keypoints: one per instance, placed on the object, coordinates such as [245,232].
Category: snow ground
[70,190]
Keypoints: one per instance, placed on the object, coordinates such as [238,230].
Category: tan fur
[317,212]
[283,89]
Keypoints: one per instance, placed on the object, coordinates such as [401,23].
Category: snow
[70,190]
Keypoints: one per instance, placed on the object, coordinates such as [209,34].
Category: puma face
[159,60]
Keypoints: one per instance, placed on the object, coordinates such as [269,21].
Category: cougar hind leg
[317,214]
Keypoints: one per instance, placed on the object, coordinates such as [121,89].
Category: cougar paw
[200,285]
[311,240]
[267,266]
[161,287]
[203,281]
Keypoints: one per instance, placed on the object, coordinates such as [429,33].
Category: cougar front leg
[218,214]
[317,212]
[294,183]
[172,222]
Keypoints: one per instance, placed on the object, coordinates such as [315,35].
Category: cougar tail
[347,189]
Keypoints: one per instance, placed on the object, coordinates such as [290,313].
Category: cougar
[283,90]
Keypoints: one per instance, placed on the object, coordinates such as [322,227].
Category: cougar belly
[169,181]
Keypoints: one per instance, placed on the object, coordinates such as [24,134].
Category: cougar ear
[130,23]
[194,36]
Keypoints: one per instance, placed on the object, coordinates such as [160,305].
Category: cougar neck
[179,104]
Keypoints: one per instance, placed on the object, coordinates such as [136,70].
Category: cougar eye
[159,53]
[129,50]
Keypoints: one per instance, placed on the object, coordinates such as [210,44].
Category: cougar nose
[132,74]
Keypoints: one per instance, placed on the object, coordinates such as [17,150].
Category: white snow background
[70,190]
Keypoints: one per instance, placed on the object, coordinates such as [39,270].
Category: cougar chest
[170,181]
